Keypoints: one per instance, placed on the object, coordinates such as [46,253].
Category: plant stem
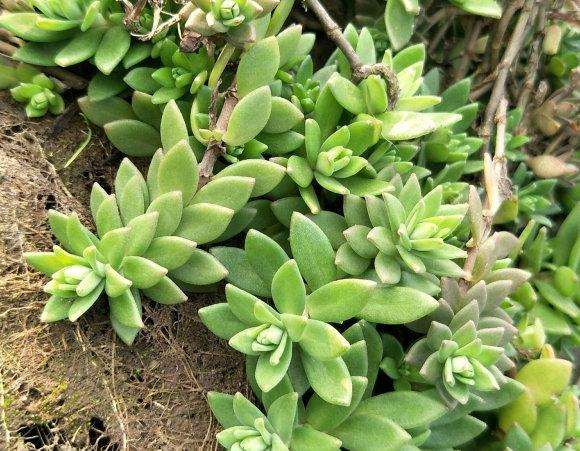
[469,51]
[497,187]
[216,148]
[497,184]
[220,65]
[501,29]
[359,70]
[533,65]
[512,51]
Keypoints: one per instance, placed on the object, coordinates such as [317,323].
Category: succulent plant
[278,336]
[400,16]
[180,73]
[28,85]
[403,236]
[533,199]
[73,31]
[324,425]
[545,415]
[246,427]
[457,358]
[333,163]
[147,234]
[233,17]
[369,100]
[464,350]
[551,296]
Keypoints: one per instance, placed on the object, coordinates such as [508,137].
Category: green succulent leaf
[249,117]
[258,66]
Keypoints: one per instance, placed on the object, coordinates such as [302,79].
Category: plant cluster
[374,303]
[28,85]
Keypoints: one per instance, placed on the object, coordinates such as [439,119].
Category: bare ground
[74,386]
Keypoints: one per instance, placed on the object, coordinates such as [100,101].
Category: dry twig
[511,53]
[359,70]
[476,26]
[497,187]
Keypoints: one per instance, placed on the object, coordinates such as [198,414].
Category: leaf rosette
[402,237]
[27,85]
[232,17]
[147,234]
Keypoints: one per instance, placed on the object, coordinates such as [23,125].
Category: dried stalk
[497,186]
[502,26]
[476,26]
[442,30]
[512,51]
[359,70]
[533,64]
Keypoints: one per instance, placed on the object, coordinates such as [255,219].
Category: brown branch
[359,70]
[442,30]
[502,26]
[480,90]
[512,51]
[533,66]
[216,148]
[132,13]
[572,17]
[497,186]
[442,13]
[476,26]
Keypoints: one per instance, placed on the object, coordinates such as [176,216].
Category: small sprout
[28,85]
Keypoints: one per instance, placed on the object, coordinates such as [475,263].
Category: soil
[75,386]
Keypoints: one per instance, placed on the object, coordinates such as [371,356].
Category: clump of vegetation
[362,211]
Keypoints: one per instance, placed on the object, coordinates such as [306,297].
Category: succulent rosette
[246,427]
[458,360]
[233,17]
[295,331]
[147,236]
[402,237]
[27,85]
[333,164]
[180,73]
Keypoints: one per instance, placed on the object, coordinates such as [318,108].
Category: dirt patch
[74,385]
